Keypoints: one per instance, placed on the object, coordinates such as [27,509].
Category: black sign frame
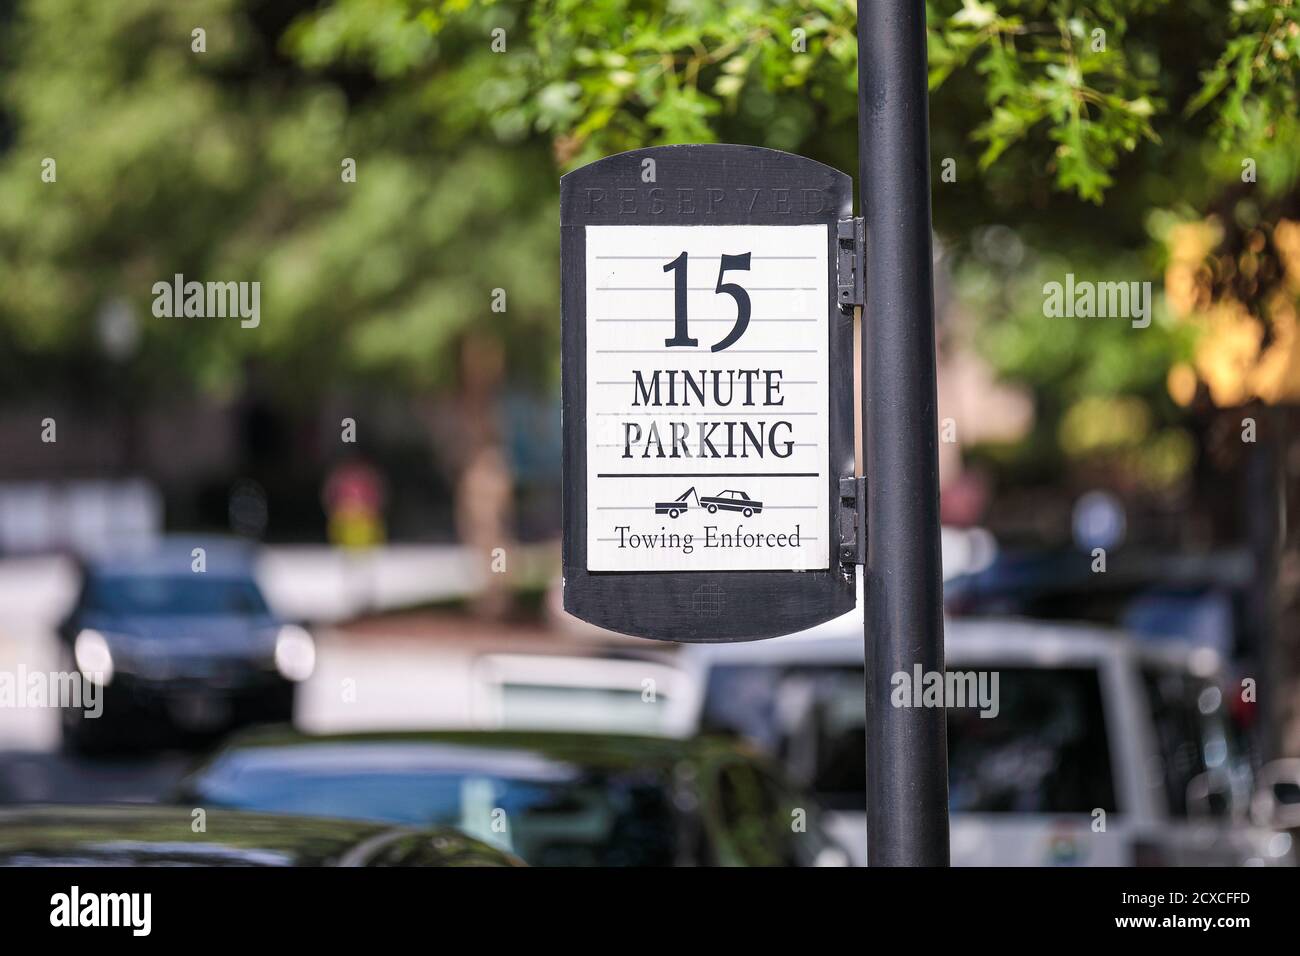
[702,185]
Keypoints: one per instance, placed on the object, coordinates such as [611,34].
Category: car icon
[732,501]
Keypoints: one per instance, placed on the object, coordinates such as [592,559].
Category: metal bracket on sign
[852,237]
[853,520]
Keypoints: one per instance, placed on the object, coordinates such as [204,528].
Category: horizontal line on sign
[652,508]
[704,288]
[667,320]
[713,474]
[667,351]
[633,382]
[738,411]
[693,256]
[619,444]
[802,538]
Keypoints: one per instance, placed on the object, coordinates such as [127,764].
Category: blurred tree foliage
[1085,135]
[227,164]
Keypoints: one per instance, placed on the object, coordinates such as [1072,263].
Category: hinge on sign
[852,236]
[853,521]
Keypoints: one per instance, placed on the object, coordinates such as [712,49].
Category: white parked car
[637,695]
[1096,750]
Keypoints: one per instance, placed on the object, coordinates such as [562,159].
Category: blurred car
[553,799]
[1277,796]
[178,639]
[164,836]
[1102,751]
[1203,599]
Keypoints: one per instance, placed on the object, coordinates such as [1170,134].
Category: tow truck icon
[679,504]
[727,500]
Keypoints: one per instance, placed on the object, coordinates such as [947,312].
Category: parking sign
[707,393]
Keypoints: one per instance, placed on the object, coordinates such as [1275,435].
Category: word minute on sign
[706,374]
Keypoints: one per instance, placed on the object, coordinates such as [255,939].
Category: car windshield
[1046,750]
[173,595]
[550,813]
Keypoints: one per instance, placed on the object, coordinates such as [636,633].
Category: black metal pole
[907,753]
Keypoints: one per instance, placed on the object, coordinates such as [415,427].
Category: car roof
[1006,641]
[529,754]
[1061,570]
[174,555]
[159,835]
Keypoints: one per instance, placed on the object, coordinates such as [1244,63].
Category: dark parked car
[554,799]
[164,836]
[178,641]
[732,501]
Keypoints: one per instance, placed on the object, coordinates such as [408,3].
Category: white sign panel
[707,428]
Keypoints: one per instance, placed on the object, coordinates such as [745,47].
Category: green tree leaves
[226,165]
[1254,83]
[1075,124]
